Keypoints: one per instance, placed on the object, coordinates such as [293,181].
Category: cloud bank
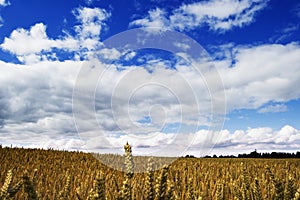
[37,103]
[218,15]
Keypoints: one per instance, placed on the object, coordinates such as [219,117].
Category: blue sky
[66,83]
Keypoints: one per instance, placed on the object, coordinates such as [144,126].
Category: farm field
[51,174]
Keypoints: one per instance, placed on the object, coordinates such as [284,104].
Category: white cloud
[4,3]
[92,22]
[31,46]
[129,55]
[261,74]
[264,139]
[217,14]
[182,45]
[110,54]
[155,19]
[38,102]
[273,108]
[25,43]
[37,90]
[166,93]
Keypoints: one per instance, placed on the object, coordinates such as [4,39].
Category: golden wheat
[51,174]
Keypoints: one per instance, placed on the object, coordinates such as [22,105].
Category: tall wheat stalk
[150,191]
[127,186]
[161,184]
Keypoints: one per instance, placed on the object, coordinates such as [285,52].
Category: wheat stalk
[128,161]
[98,190]
[279,191]
[170,193]
[219,192]
[191,194]
[289,190]
[64,193]
[4,192]
[256,190]
[297,194]
[161,184]
[150,190]
[126,193]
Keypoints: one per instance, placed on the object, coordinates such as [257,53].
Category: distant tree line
[255,154]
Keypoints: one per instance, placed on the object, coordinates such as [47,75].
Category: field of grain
[50,174]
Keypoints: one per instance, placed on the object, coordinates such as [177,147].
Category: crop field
[51,174]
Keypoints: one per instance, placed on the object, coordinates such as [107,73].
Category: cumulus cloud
[92,22]
[37,98]
[34,45]
[218,15]
[124,97]
[261,74]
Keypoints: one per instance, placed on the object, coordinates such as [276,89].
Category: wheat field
[51,174]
